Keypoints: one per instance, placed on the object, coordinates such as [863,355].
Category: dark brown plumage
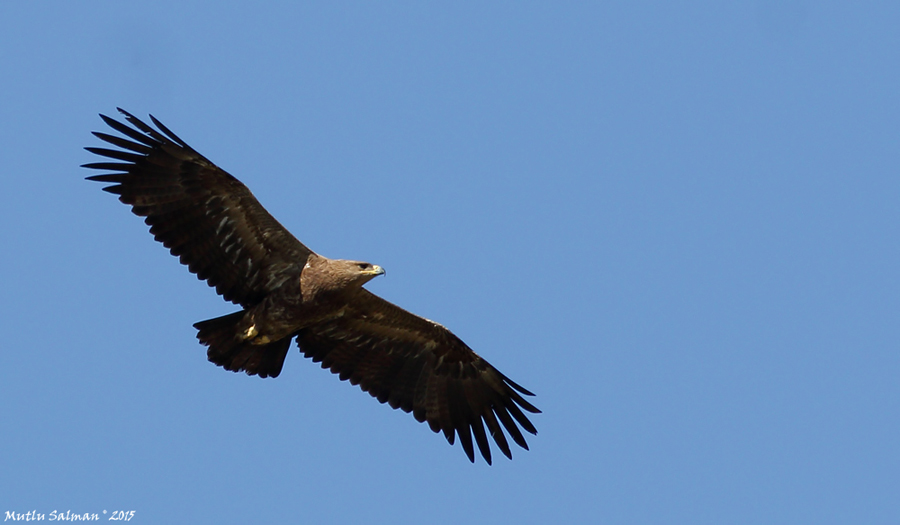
[219,230]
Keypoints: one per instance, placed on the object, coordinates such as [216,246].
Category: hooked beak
[376,270]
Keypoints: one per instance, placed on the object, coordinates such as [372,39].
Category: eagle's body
[219,230]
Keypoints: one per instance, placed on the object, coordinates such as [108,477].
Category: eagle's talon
[250,333]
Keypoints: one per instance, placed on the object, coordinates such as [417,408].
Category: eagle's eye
[363,266]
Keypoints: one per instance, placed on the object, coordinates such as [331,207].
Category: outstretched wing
[419,366]
[203,215]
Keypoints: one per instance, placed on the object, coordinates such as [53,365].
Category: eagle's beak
[376,270]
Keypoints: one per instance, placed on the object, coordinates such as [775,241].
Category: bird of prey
[215,226]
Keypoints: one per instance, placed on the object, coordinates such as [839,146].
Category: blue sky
[676,224]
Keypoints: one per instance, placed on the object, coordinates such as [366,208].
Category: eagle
[217,228]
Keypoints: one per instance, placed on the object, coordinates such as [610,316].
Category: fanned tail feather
[229,351]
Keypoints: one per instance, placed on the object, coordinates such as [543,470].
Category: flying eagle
[215,226]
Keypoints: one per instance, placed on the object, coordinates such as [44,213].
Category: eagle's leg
[259,339]
[251,333]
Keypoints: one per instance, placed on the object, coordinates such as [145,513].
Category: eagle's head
[338,274]
[364,271]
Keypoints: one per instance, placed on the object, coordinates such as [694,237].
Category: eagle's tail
[228,350]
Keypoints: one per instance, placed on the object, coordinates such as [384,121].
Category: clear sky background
[676,224]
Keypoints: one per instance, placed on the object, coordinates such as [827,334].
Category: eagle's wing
[197,210]
[419,366]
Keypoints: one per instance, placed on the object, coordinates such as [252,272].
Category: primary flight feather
[215,226]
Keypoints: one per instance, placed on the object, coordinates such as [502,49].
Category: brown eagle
[215,226]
